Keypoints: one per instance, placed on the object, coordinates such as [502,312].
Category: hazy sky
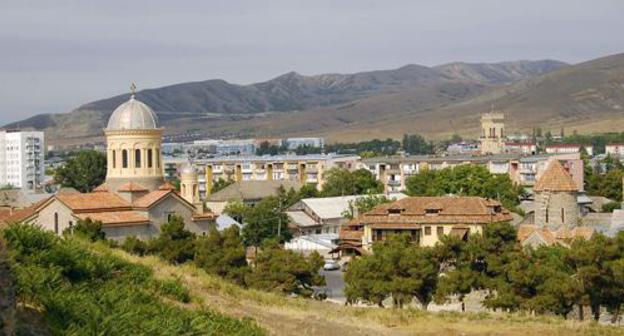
[56,55]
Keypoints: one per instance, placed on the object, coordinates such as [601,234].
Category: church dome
[132,114]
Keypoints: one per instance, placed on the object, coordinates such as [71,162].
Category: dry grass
[281,315]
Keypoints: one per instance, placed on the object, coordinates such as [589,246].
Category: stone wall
[556,209]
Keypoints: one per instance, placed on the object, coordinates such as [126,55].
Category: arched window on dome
[137,158]
[149,158]
[124,159]
[114,159]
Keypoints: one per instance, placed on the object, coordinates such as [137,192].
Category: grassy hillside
[78,287]
[281,315]
[76,291]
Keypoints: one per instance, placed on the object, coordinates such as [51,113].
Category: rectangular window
[440,230]
[149,158]
[562,215]
[427,230]
[546,215]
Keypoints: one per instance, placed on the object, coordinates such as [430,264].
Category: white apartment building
[22,159]
[614,149]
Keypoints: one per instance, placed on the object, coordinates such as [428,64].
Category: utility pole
[279,218]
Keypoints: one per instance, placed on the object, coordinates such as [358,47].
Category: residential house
[423,219]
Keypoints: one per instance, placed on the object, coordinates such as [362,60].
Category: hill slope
[233,109]
[587,97]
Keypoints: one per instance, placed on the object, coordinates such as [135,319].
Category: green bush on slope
[82,293]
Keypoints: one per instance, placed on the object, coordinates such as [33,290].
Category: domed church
[135,199]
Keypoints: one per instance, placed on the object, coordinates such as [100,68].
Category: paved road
[335,285]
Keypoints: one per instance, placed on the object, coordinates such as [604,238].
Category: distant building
[235,147]
[569,148]
[294,143]
[247,192]
[424,219]
[22,159]
[297,168]
[525,148]
[492,133]
[614,149]
[323,214]
[463,148]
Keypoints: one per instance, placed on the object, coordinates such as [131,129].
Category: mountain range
[435,101]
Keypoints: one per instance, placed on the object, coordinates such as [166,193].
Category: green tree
[364,204]
[134,245]
[174,244]
[416,144]
[220,184]
[222,254]
[341,182]
[397,268]
[467,180]
[280,270]
[88,229]
[265,220]
[83,172]
[308,190]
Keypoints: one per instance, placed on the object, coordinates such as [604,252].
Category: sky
[57,55]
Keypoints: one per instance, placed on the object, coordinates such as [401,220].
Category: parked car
[331,265]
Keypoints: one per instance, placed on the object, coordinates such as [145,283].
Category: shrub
[134,245]
[84,293]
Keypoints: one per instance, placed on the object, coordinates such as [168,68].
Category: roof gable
[555,178]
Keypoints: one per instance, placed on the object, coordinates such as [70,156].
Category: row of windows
[439,230]
[137,158]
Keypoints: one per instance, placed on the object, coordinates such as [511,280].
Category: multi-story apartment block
[524,170]
[615,149]
[300,168]
[22,159]
[562,148]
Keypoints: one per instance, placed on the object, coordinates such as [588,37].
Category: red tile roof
[22,214]
[131,187]
[412,211]
[78,202]
[117,218]
[555,178]
[151,198]
[166,186]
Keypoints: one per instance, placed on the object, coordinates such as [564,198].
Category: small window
[149,158]
[157,159]
[56,226]
[71,224]
[432,211]
[562,215]
[440,230]
[124,159]
[114,158]
[546,215]
[137,158]
[395,211]
[427,230]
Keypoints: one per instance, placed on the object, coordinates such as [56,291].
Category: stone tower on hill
[555,198]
